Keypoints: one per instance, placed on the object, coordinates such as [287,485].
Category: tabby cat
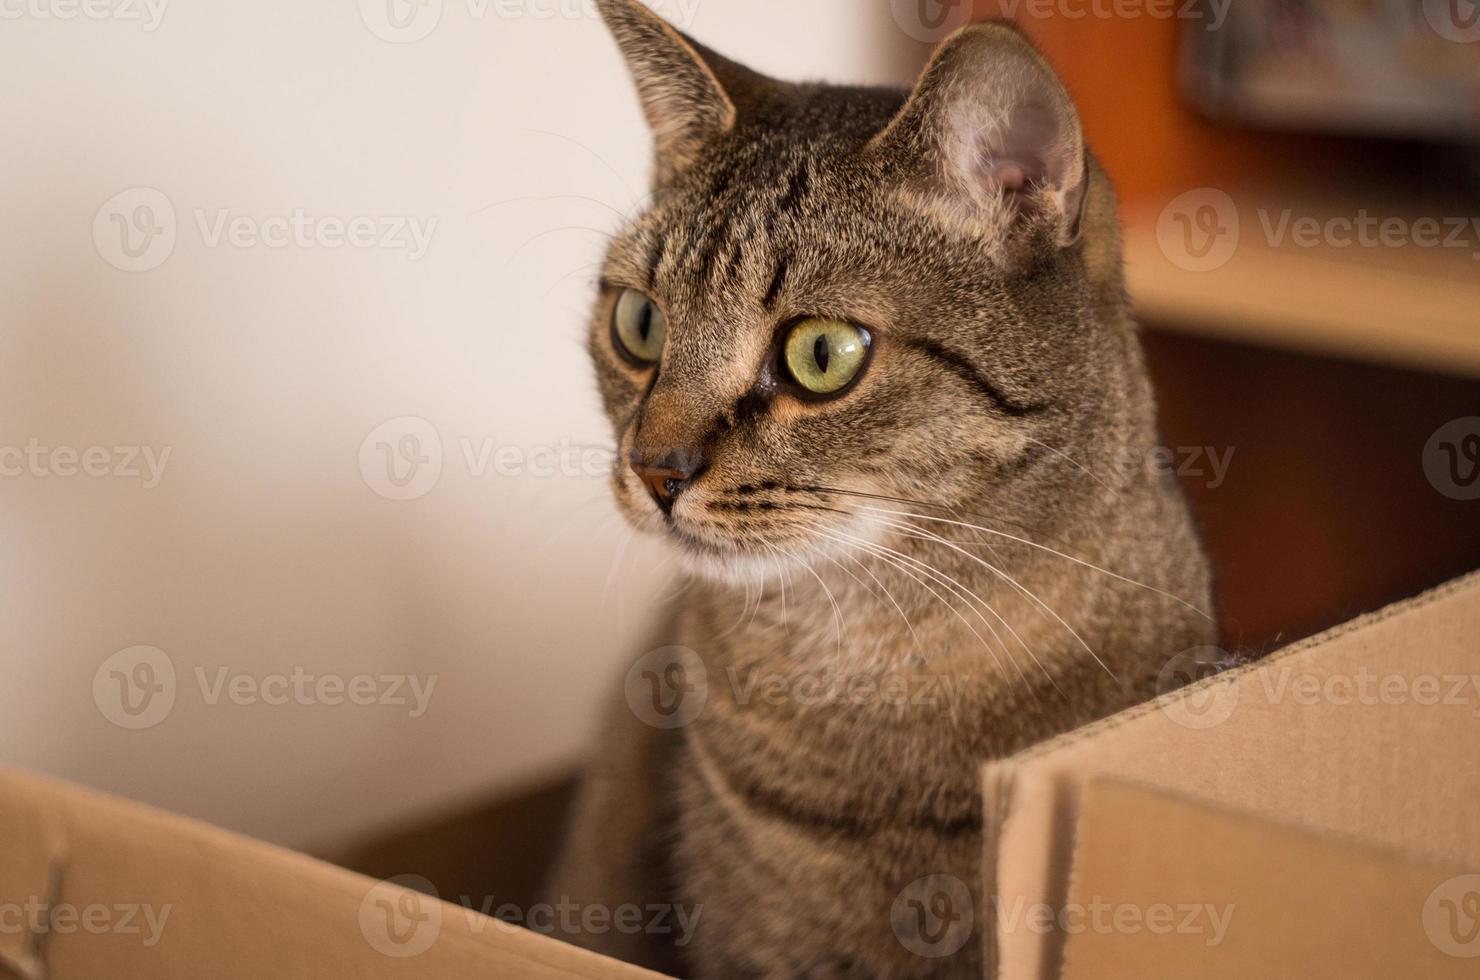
[872,372]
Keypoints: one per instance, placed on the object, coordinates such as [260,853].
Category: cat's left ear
[690,95]
[989,124]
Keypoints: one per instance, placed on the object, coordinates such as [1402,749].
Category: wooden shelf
[1409,306]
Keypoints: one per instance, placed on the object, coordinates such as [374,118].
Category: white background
[263,369]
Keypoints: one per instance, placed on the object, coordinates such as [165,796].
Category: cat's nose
[666,475]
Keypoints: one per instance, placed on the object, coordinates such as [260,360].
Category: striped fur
[1005,392]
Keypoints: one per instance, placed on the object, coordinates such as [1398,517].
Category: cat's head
[835,293]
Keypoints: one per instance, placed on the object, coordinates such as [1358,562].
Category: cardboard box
[1200,891]
[1368,733]
[171,898]
[1315,815]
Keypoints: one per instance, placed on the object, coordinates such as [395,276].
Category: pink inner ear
[1019,155]
[1007,175]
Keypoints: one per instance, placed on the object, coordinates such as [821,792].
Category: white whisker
[1072,461]
[897,607]
[617,560]
[899,560]
[1007,578]
[837,612]
[1043,547]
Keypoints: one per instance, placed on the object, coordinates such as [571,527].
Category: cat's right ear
[990,137]
[685,101]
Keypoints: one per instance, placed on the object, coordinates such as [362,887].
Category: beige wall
[262,370]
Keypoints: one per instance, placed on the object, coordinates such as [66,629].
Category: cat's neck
[995,618]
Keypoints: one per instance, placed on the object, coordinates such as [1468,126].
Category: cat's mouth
[703,542]
[730,537]
[721,527]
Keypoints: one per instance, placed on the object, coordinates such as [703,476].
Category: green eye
[639,326]
[824,356]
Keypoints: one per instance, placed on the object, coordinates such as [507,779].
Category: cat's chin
[744,562]
[727,561]
[722,561]
[731,567]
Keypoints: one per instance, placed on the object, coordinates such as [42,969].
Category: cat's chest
[855,715]
[840,741]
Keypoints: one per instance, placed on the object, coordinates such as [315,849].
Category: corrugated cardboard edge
[1003,800]
[31,870]
[88,830]
[996,805]
[1367,621]
[1312,903]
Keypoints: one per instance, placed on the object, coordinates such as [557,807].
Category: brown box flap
[1369,731]
[31,856]
[1166,887]
[135,894]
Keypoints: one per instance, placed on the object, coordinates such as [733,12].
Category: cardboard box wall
[1242,897]
[1329,828]
[1293,739]
[237,909]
